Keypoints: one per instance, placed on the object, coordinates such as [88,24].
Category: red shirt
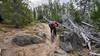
[53,24]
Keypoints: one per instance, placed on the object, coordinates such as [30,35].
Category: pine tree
[95,15]
[16,12]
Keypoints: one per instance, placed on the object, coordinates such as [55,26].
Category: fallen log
[80,31]
[87,24]
[94,54]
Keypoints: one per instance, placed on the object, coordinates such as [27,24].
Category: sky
[36,3]
[0,2]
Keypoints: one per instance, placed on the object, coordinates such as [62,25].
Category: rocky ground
[9,48]
[33,40]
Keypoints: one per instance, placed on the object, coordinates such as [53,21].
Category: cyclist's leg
[54,32]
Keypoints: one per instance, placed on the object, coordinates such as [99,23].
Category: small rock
[60,53]
[97,45]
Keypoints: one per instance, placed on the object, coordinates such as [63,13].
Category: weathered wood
[46,18]
[94,54]
[87,24]
[79,31]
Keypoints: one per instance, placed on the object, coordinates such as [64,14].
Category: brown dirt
[10,49]
[42,49]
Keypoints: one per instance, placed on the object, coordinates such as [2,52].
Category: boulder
[36,40]
[23,40]
[41,34]
[66,46]
[70,41]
